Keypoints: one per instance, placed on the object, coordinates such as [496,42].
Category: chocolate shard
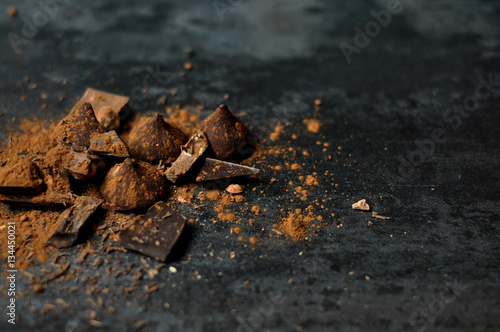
[190,153]
[217,169]
[42,202]
[108,145]
[133,185]
[99,99]
[155,140]
[21,178]
[155,233]
[72,220]
[77,127]
[227,135]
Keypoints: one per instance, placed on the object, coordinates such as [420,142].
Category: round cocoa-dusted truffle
[227,135]
[133,185]
[155,139]
[77,127]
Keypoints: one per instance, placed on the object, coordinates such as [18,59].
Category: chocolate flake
[217,169]
[155,233]
[72,220]
[193,150]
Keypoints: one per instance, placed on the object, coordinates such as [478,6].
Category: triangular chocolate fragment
[21,178]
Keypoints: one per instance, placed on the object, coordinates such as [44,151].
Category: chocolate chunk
[217,169]
[133,185]
[42,202]
[108,145]
[155,140]
[227,135]
[22,178]
[155,233]
[82,166]
[193,150]
[99,99]
[72,220]
[77,127]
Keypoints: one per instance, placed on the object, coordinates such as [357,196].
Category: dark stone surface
[434,266]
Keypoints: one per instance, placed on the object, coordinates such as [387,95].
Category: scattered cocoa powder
[311,181]
[313,125]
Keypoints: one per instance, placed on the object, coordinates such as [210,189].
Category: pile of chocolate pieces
[138,172]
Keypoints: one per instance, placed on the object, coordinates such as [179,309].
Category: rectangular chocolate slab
[155,233]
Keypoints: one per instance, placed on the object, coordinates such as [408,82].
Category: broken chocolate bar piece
[190,153]
[43,202]
[155,233]
[21,178]
[72,220]
[217,169]
[82,166]
[108,145]
[99,99]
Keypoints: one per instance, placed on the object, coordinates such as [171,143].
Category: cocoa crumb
[311,181]
[361,205]
[313,125]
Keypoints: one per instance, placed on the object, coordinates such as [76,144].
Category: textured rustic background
[434,266]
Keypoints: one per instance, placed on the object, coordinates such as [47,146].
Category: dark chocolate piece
[227,135]
[193,150]
[155,233]
[72,220]
[99,99]
[43,202]
[22,178]
[217,169]
[108,145]
[82,166]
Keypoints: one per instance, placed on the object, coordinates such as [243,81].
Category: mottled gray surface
[440,268]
